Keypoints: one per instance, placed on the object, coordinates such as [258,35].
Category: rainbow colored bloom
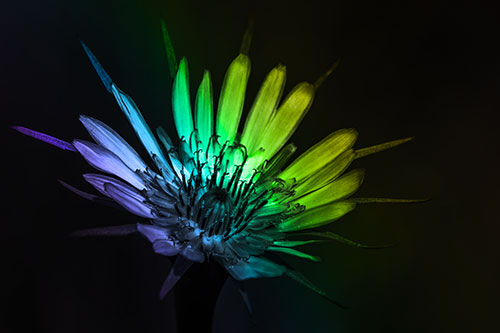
[233,197]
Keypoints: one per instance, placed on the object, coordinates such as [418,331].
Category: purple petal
[109,139]
[121,230]
[165,247]
[91,197]
[193,254]
[128,199]
[46,138]
[98,182]
[152,232]
[181,265]
[104,160]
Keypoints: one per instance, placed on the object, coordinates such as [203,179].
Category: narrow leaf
[169,49]
[377,148]
[305,282]
[45,138]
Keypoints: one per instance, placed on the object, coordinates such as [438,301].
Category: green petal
[386,200]
[294,243]
[181,103]
[377,148]
[294,252]
[263,108]
[336,237]
[305,282]
[317,217]
[320,154]
[336,190]
[203,111]
[232,98]
[169,49]
[287,118]
[327,174]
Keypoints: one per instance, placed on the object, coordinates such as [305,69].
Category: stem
[196,296]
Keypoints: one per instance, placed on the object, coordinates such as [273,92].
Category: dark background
[420,68]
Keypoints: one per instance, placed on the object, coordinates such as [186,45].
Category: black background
[419,68]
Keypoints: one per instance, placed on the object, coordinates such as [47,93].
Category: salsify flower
[220,194]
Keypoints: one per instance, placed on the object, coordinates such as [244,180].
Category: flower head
[220,194]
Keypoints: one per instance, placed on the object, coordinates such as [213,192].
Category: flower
[220,194]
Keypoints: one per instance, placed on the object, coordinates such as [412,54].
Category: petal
[232,98]
[109,139]
[263,108]
[114,231]
[341,239]
[320,154]
[131,111]
[180,267]
[152,233]
[98,181]
[193,254]
[387,200]
[294,252]
[128,199]
[92,197]
[45,138]
[327,174]
[255,267]
[294,243]
[204,110]
[140,126]
[106,80]
[169,49]
[312,218]
[181,103]
[165,247]
[286,119]
[176,165]
[383,146]
[104,160]
[277,162]
[336,190]
[305,282]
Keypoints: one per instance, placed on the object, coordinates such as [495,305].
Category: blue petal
[141,127]
[104,160]
[255,267]
[106,80]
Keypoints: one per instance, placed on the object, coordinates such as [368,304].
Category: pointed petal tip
[298,277]
[169,49]
[106,80]
[247,37]
[388,200]
[381,147]
[323,77]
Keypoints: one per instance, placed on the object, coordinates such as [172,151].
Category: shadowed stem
[196,296]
